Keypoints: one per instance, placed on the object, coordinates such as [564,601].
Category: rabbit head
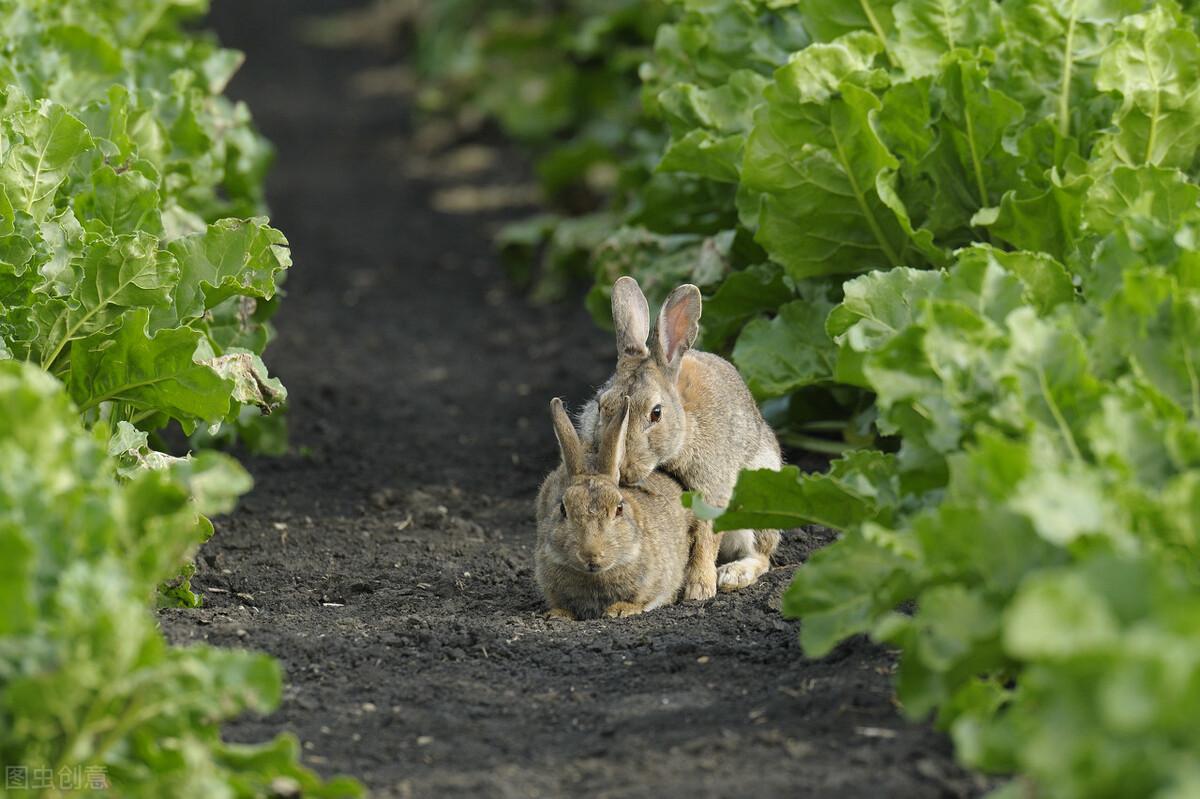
[645,383]
[595,528]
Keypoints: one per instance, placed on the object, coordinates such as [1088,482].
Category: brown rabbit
[603,550]
[692,416]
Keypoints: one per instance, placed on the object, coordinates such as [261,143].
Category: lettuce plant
[980,218]
[1039,371]
[127,269]
[136,281]
[88,685]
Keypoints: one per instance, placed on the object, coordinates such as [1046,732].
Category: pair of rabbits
[613,536]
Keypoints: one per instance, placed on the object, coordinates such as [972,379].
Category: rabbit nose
[591,560]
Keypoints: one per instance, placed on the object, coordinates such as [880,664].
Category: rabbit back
[726,432]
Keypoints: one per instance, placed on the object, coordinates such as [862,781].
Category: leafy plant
[86,679]
[981,216]
[124,268]
[550,68]
[136,282]
[1041,509]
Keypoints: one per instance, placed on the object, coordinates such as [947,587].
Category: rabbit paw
[739,574]
[559,614]
[621,609]
[700,586]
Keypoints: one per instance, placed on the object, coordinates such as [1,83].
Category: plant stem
[1064,93]
[1059,419]
[875,26]
[862,201]
[1152,137]
[1193,380]
[975,162]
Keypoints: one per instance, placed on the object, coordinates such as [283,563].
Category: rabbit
[692,416]
[604,550]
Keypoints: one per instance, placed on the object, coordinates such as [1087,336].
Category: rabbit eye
[620,509]
[562,507]
[655,413]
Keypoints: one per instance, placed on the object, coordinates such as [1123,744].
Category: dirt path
[387,561]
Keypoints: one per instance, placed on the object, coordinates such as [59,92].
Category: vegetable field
[136,281]
[950,246]
[950,242]
[387,559]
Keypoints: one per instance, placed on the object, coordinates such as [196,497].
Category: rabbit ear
[612,446]
[631,318]
[678,325]
[568,439]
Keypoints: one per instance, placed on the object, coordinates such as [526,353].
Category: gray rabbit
[691,416]
[608,550]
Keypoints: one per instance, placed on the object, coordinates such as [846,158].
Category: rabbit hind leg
[746,554]
[742,562]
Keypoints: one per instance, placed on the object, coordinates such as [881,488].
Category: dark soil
[387,560]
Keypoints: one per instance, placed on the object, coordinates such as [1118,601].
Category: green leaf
[1046,283]
[1050,56]
[909,388]
[1048,368]
[954,633]
[45,144]
[879,305]
[16,578]
[951,619]
[1047,220]
[130,448]
[859,486]
[212,480]
[875,309]
[1154,65]
[830,19]
[152,374]
[928,29]
[743,294]
[1057,615]
[701,153]
[1153,324]
[971,168]
[1131,435]
[845,590]
[1065,503]
[788,352]
[708,43]
[714,122]
[58,246]
[812,162]
[232,257]
[117,275]
[1150,193]
[126,202]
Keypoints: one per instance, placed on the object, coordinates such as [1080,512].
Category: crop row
[957,242]
[137,276]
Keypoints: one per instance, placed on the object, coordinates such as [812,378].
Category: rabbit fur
[608,550]
[691,415]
